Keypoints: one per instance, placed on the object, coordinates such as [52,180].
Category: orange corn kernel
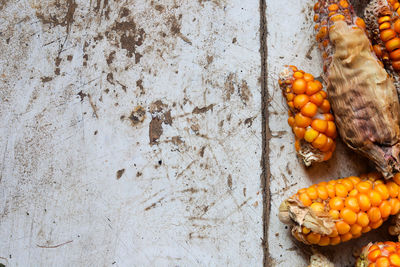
[364,202]
[309,110]
[392,44]
[313,87]
[384,19]
[348,216]
[300,100]
[336,203]
[317,99]
[322,192]
[299,132]
[385,26]
[337,17]
[310,135]
[352,203]
[387,35]
[320,141]
[298,75]
[302,121]
[325,106]
[313,238]
[396,26]
[312,193]
[362,219]
[342,227]
[305,199]
[308,77]
[374,214]
[299,86]
[382,262]
[364,187]
[375,198]
[319,125]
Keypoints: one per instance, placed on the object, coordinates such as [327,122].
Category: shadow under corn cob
[362,95]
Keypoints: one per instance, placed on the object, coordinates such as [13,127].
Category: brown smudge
[245,93]
[46,17]
[229,181]
[198,110]
[46,79]
[137,115]
[125,12]
[159,8]
[210,59]
[155,130]
[139,83]
[159,116]
[249,121]
[110,78]
[69,57]
[120,173]
[82,95]
[130,37]
[229,86]
[201,153]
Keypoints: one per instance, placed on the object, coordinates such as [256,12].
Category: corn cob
[383,24]
[309,115]
[363,97]
[380,254]
[332,212]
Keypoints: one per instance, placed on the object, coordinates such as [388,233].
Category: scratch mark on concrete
[55,246]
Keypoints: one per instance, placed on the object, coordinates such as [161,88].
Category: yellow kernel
[310,135]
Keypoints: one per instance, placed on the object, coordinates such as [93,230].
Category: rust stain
[120,173]
[198,110]
[137,116]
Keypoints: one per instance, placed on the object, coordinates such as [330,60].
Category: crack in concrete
[266,133]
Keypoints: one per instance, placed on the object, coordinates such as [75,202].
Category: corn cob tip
[380,254]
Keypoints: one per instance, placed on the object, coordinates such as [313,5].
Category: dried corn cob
[309,115]
[362,95]
[383,24]
[332,212]
[380,254]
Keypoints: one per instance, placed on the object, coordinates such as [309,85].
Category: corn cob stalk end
[319,260]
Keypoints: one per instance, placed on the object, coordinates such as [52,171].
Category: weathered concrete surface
[291,41]
[130,133]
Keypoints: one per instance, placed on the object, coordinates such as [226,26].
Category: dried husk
[293,212]
[363,99]
[362,260]
[319,260]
